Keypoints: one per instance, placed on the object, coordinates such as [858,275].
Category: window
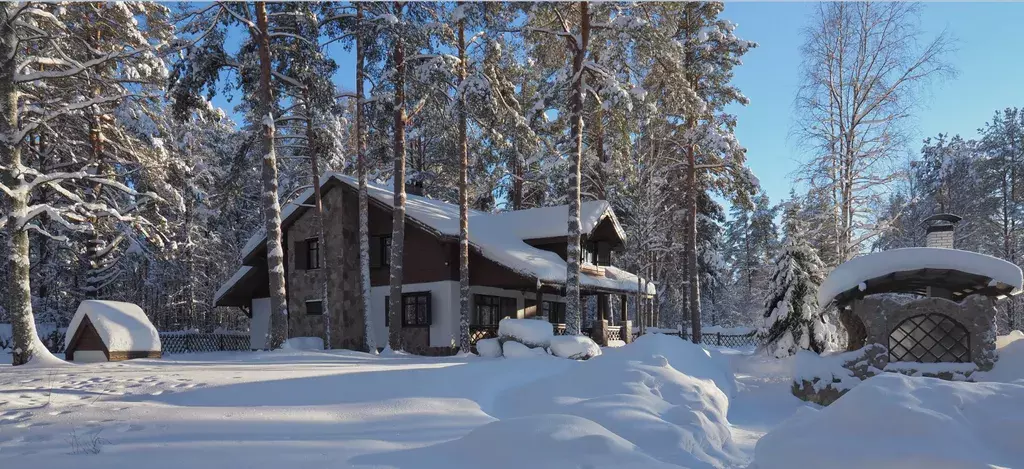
[380,251]
[314,308]
[588,253]
[489,310]
[312,253]
[415,309]
[555,312]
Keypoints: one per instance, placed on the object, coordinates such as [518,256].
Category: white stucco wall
[259,327]
[444,298]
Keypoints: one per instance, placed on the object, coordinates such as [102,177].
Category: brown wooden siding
[425,259]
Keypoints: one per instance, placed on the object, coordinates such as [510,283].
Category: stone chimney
[939,230]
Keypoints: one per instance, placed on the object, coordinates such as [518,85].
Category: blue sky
[989,58]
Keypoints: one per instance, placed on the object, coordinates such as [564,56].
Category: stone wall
[341,266]
[879,316]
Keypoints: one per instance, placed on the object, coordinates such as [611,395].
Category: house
[517,268]
[110,331]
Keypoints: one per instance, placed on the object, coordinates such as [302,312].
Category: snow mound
[513,349]
[683,355]
[574,347]
[893,420]
[489,348]
[1004,340]
[531,332]
[123,327]
[541,441]
[828,370]
[638,393]
[303,343]
[1009,368]
[861,269]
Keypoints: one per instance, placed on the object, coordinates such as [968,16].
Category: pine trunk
[693,276]
[271,205]
[464,344]
[364,208]
[573,313]
[398,218]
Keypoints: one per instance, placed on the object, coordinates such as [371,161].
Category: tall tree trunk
[463,201]
[364,208]
[693,276]
[26,341]
[314,147]
[271,205]
[398,218]
[573,313]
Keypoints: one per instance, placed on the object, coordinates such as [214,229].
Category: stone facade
[872,319]
[341,266]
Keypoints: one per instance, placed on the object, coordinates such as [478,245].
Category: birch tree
[864,66]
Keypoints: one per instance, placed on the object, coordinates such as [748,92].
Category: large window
[307,254]
[380,251]
[415,309]
[555,312]
[488,310]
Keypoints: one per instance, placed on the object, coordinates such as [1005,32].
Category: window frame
[491,302]
[417,297]
[556,307]
[405,323]
[312,253]
[317,301]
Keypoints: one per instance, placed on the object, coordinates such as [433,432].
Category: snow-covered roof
[123,327]
[855,272]
[230,283]
[498,237]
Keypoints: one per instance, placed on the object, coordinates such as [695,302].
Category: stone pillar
[627,331]
[600,332]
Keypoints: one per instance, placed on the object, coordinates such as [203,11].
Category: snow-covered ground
[657,403]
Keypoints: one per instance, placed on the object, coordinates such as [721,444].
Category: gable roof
[123,327]
[499,237]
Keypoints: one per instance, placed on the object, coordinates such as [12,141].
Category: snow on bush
[513,349]
[303,343]
[540,441]
[576,347]
[658,394]
[531,332]
[489,348]
[893,420]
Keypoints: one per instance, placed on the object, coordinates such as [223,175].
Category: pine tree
[793,320]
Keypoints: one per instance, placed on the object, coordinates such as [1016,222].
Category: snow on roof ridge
[868,266]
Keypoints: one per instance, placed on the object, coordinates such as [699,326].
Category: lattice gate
[930,338]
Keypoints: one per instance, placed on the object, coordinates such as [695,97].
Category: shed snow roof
[123,327]
[499,237]
[998,277]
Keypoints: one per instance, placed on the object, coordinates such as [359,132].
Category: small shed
[110,331]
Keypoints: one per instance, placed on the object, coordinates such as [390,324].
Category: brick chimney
[939,230]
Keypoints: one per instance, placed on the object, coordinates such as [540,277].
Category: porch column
[626,332]
[540,301]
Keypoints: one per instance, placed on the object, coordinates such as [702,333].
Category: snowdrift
[660,394]
[1009,368]
[893,420]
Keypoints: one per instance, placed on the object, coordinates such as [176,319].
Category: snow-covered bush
[530,332]
[823,379]
[576,347]
[893,420]
[793,320]
[489,348]
[303,343]
[513,349]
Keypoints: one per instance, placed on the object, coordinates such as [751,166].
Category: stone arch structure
[875,318]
